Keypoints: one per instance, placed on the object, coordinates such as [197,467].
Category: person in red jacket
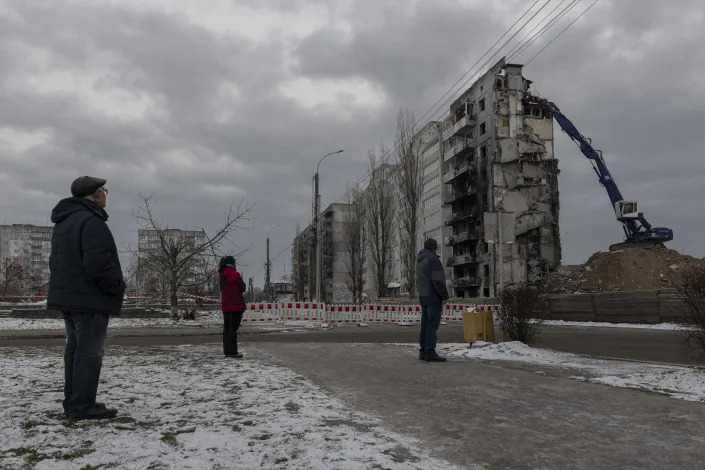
[233,305]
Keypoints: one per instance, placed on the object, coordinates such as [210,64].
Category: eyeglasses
[105,190]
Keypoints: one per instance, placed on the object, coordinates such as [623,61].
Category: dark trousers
[231,323]
[83,358]
[430,321]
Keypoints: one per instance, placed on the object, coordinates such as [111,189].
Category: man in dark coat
[431,285]
[87,285]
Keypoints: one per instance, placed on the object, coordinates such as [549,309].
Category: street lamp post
[268,281]
[317,225]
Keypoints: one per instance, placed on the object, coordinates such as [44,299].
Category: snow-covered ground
[189,407]
[687,383]
[594,324]
[204,319]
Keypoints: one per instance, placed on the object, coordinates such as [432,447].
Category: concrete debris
[629,269]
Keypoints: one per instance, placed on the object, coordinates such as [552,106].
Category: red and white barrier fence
[277,312]
[266,312]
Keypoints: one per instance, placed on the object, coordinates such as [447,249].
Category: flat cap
[86,185]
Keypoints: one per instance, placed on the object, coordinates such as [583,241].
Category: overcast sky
[206,102]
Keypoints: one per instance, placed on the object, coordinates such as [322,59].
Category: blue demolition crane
[637,230]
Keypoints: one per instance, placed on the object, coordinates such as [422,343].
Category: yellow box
[478,326]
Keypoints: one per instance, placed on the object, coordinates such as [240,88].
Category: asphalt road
[502,415]
[635,344]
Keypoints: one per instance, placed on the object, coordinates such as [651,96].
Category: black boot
[433,357]
[96,411]
[422,356]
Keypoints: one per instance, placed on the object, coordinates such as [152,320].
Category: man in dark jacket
[431,285]
[86,284]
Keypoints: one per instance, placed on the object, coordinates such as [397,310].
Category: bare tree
[410,179]
[690,288]
[354,233]
[176,258]
[12,277]
[380,217]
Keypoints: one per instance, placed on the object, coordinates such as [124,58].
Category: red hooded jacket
[231,289]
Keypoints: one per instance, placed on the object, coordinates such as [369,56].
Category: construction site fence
[349,314]
[273,312]
[657,306]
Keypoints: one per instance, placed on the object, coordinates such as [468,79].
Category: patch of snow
[687,383]
[205,319]
[189,407]
[592,324]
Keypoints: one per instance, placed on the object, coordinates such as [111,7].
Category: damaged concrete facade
[502,186]
[334,255]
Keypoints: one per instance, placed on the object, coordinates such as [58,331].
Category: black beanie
[430,244]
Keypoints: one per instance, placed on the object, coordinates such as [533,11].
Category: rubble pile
[630,269]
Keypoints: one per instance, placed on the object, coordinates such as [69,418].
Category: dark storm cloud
[160,103]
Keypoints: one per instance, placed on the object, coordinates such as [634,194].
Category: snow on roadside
[188,407]
[594,324]
[204,319]
[687,383]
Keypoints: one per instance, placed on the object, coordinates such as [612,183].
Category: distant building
[334,255]
[30,246]
[283,291]
[149,276]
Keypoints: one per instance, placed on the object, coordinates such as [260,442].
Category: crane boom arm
[636,228]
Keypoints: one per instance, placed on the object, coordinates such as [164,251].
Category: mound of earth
[630,269]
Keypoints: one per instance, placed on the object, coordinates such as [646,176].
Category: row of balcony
[460,170]
[463,126]
[457,149]
[462,237]
[459,194]
[466,281]
[460,216]
[461,260]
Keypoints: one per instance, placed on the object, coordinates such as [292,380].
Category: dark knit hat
[430,244]
[86,185]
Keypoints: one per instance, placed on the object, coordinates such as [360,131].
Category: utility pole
[317,237]
[267,282]
[252,291]
[317,225]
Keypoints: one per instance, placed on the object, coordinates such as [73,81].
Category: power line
[563,31]
[523,41]
[478,61]
[386,157]
[547,27]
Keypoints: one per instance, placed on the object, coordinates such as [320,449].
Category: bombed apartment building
[334,255]
[501,186]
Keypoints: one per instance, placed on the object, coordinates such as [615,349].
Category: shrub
[519,313]
[691,291]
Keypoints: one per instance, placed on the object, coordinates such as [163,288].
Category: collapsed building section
[501,183]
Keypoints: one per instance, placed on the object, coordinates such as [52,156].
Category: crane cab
[626,210]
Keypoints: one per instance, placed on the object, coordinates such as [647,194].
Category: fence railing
[658,306]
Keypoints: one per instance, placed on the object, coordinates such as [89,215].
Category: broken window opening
[482,104]
[483,128]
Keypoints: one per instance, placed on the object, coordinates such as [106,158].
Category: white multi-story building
[149,245]
[432,212]
[30,246]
